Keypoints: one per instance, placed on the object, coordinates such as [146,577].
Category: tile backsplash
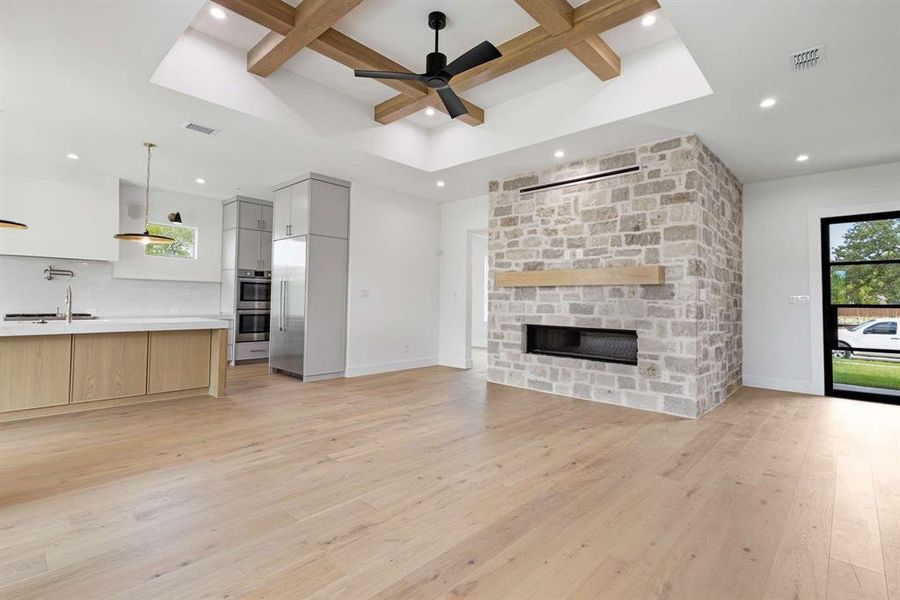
[23,288]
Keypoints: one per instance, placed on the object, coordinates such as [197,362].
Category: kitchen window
[184,246]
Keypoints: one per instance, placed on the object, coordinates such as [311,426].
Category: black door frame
[830,311]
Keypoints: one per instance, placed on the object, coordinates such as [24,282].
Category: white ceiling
[469,22]
[76,79]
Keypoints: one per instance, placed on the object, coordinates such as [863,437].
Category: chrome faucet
[68,304]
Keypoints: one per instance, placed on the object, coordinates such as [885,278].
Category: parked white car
[877,334]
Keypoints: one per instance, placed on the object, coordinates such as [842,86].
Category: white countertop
[111,325]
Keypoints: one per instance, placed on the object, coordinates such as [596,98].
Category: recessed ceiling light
[802,158]
[72,156]
[217,12]
[440,183]
[559,154]
[429,111]
[768,103]
[200,180]
[648,20]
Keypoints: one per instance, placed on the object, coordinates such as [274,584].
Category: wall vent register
[807,59]
[604,345]
[200,128]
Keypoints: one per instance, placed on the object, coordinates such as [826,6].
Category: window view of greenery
[867,371]
[185,245]
[865,241]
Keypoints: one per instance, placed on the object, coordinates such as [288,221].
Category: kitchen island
[52,367]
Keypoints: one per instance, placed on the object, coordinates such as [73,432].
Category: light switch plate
[799,300]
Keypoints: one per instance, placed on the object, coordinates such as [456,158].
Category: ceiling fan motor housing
[434,69]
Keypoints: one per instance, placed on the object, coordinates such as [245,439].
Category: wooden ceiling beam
[597,56]
[557,17]
[350,53]
[590,19]
[276,15]
[311,19]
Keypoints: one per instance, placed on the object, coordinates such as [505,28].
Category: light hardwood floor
[432,484]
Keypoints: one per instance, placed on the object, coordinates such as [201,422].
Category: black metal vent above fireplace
[605,345]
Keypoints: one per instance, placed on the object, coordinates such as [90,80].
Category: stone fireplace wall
[681,210]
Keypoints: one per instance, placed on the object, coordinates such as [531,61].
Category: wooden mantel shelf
[641,275]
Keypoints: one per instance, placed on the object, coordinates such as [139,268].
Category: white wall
[94,290]
[782,341]
[70,213]
[458,220]
[203,213]
[393,305]
[479,274]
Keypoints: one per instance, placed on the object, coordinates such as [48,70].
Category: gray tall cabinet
[310,233]
[246,246]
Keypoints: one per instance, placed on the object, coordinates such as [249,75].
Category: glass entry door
[861,306]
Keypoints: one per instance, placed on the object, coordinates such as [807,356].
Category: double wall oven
[254,298]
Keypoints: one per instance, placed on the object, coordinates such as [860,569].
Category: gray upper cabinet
[313,205]
[265,216]
[247,238]
[281,214]
[255,216]
[329,213]
[254,250]
[229,215]
[265,250]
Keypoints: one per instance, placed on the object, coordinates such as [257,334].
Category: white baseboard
[398,365]
[778,383]
[458,362]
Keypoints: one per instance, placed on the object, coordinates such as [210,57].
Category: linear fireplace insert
[605,345]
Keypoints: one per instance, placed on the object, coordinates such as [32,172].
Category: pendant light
[4,224]
[146,237]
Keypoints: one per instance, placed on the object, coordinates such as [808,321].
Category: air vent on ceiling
[580,180]
[807,59]
[200,128]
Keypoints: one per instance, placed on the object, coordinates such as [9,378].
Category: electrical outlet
[364,293]
[799,300]
[406,349]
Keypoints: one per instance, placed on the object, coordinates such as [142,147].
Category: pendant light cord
[150,147]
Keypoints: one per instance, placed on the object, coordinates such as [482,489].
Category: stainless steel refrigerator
[309,307]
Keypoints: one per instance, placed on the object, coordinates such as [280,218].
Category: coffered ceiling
[98,78]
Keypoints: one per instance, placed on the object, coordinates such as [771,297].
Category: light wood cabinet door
[179,360]
[109,365]
[34,371]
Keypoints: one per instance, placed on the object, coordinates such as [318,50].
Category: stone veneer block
[681,210]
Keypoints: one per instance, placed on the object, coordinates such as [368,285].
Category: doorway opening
[861,306]
[478,297]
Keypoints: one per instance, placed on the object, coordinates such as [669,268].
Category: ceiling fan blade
[387,75]
[480,54]
[455,106]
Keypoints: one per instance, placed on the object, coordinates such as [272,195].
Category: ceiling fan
[438,73]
